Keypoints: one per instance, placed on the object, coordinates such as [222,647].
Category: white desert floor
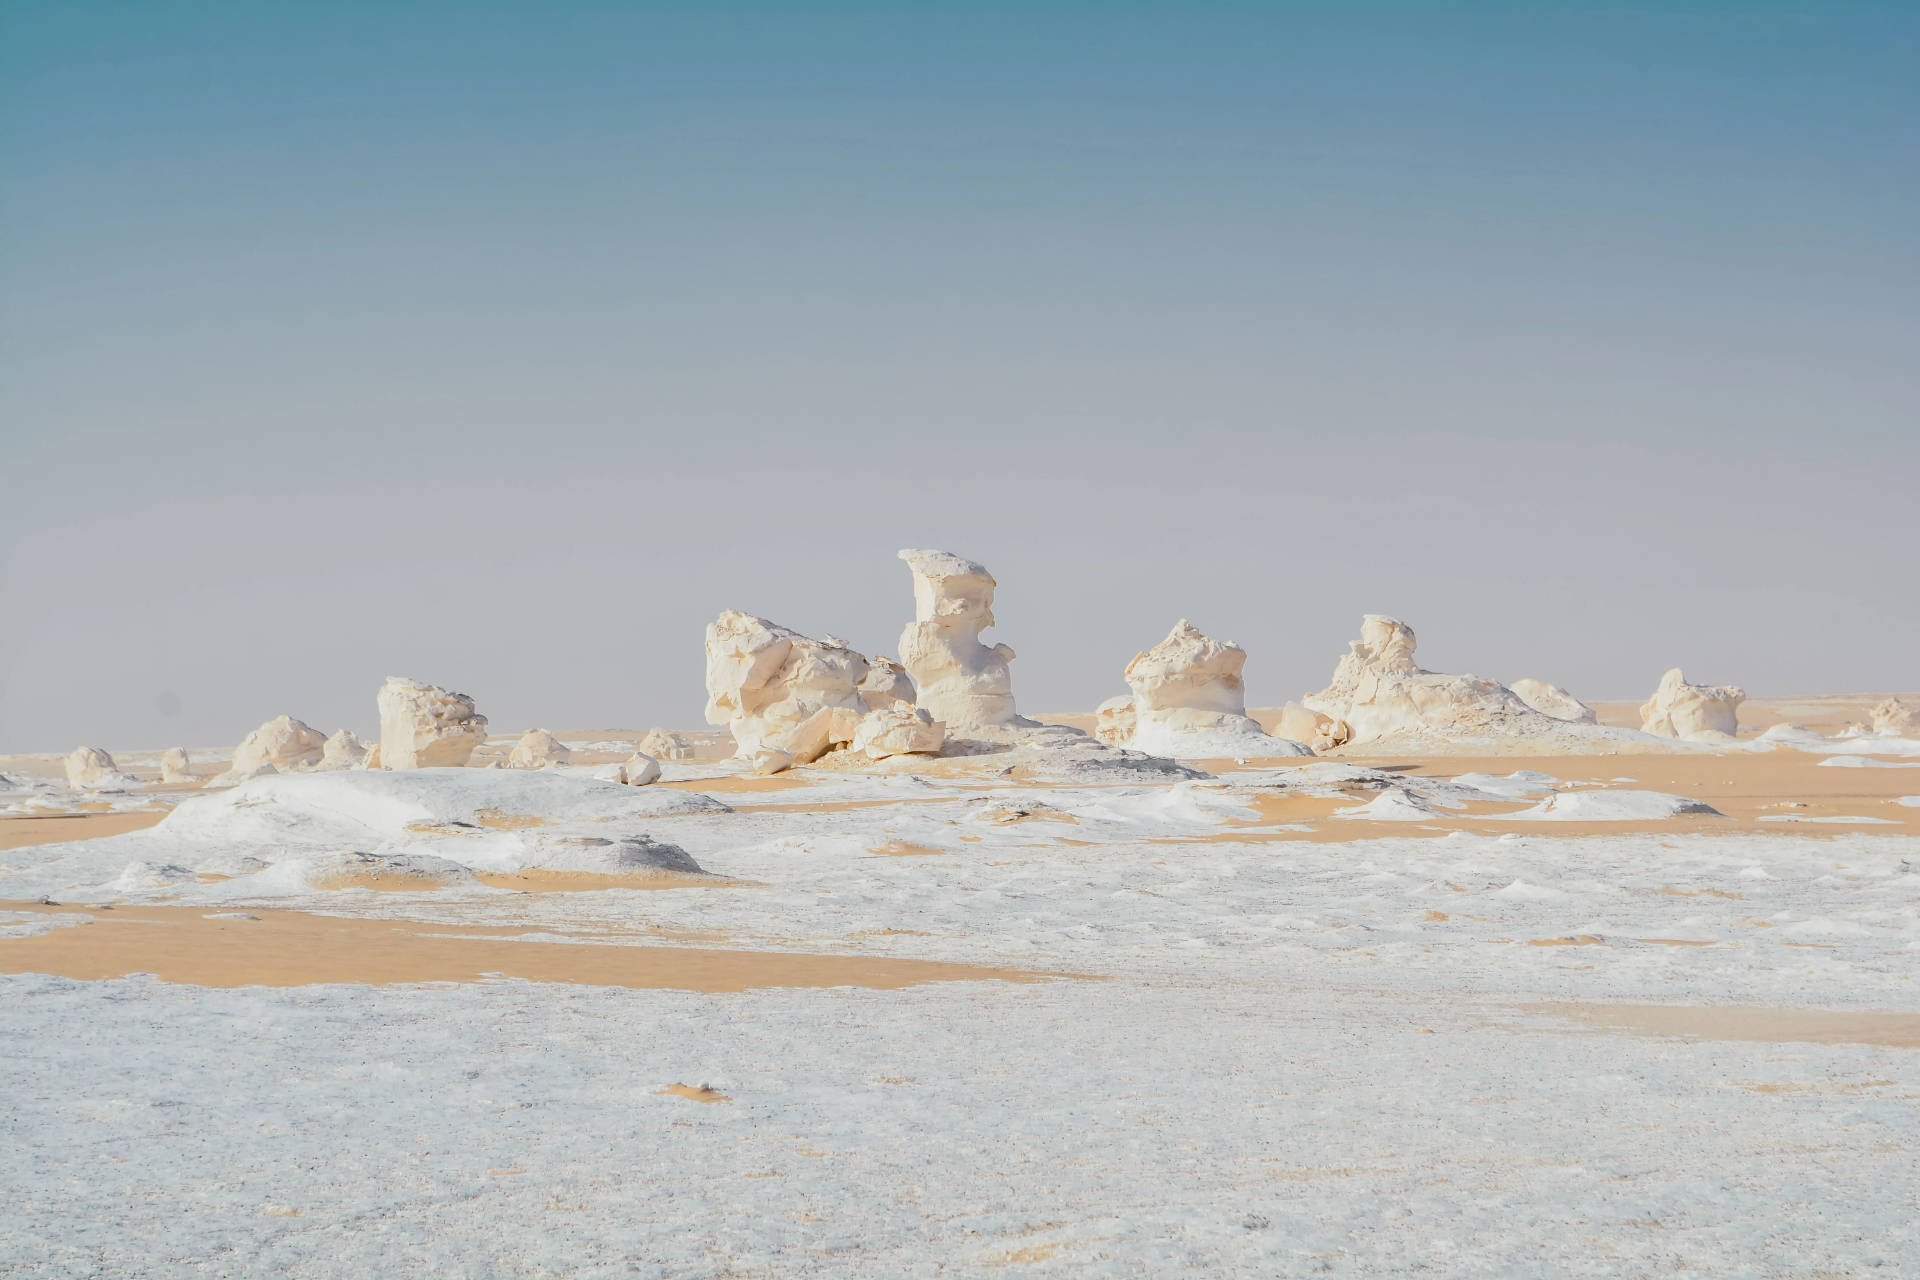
[1446,1016]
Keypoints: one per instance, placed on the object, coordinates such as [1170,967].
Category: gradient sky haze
[503,345]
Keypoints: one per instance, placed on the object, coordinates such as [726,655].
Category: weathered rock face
[1552,700]
[640,769]
[1897,718]
[1297,724]
[93,767]
[423,726]
[887,684]
[962,683]
[1696,712]
[344,750]
[1189,700]
[1113,721]
[780,692]
[898,731]
[536,750]
[282,744]
[175,766]
[662,745]
[1379,691]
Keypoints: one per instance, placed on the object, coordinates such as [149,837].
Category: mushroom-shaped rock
[343,750]
[1552,700]
[780,691]
[1379,691]
[662,745]
[1897,718]
[1189,699]
[537,749]
[175,766]
[1113,721]
[887,684]
[283,744]
[1695,712]
[639,770]
[423,726]
[92,768]
[898,731]
[962,683]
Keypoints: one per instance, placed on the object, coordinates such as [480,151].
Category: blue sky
[503,345]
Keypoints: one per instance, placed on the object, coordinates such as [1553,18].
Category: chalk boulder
[343,750]
[779,691]
[962,683]
[1379,691]
[537,749]
[887,684]
[1189,700]
[423,726]
[1552,700]
[639,770]
[898,731]
[1113,721]
[91,768]
[175,766]
[662,745]
[1297,724]
[1694,712]
[1897,717]
[281,745]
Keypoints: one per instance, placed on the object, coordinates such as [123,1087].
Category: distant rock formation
[1297,724]
[1897,718]
[1189,700]
[779,692]
[898,731]
[536,750]
[91,768]
[423,726]
[662,745]
[1695,712]
[281,745]
[1552,700]
[1379,691]
[343,750]
[962,683]
[1113,721]
[175,766]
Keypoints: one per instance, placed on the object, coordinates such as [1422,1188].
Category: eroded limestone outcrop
[281,745]
[91,768]
[1694,712]
[343,750]
[962,683]
[537,749]
[1552,700]
[780,693]
[423,726]
[175,765]
[1189,700]
[898,731]
[1897,717]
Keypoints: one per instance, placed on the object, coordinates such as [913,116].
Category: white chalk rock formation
[423,726]
[281,745]
[537,749]
[1297,724]
[90,768]
[1379,691]
[962,683]
[780,692]
[1695,712]
[1189,700]
[887,684]
[1552,700]
[175,766]
[1113,721]
[662,745]
[640,769]
[1897,718]
[898,731]
[343,750]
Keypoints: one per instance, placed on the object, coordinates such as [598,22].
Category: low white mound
[1694,712]
[175,765]
[1522,784]
[1189,700]
[144,877]
[92,769]
[1072,757]
[630,855]
[639,770]
[1379,693]
[344,750]
[1911,802]
[779,692]
[1800,739]
[1608,806]
[282,744]
[1552,700]
[423,726]
[1863,762]
[898,730]
[1391,806]
[537,749]
[1897,717]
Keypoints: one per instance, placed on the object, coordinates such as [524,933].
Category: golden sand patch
[739,784]
[1578,940]
[1704,893]
[694,1093]
[901,849]
[495,820]
[1715,1022]
[1841,1087]
[293,948]
[20,833]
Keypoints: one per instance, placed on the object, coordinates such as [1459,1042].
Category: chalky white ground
[1300,1056]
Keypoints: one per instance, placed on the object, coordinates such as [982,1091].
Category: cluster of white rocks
[1189,700]
[1695,712]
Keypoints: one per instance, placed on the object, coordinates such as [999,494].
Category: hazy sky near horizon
[503,345]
